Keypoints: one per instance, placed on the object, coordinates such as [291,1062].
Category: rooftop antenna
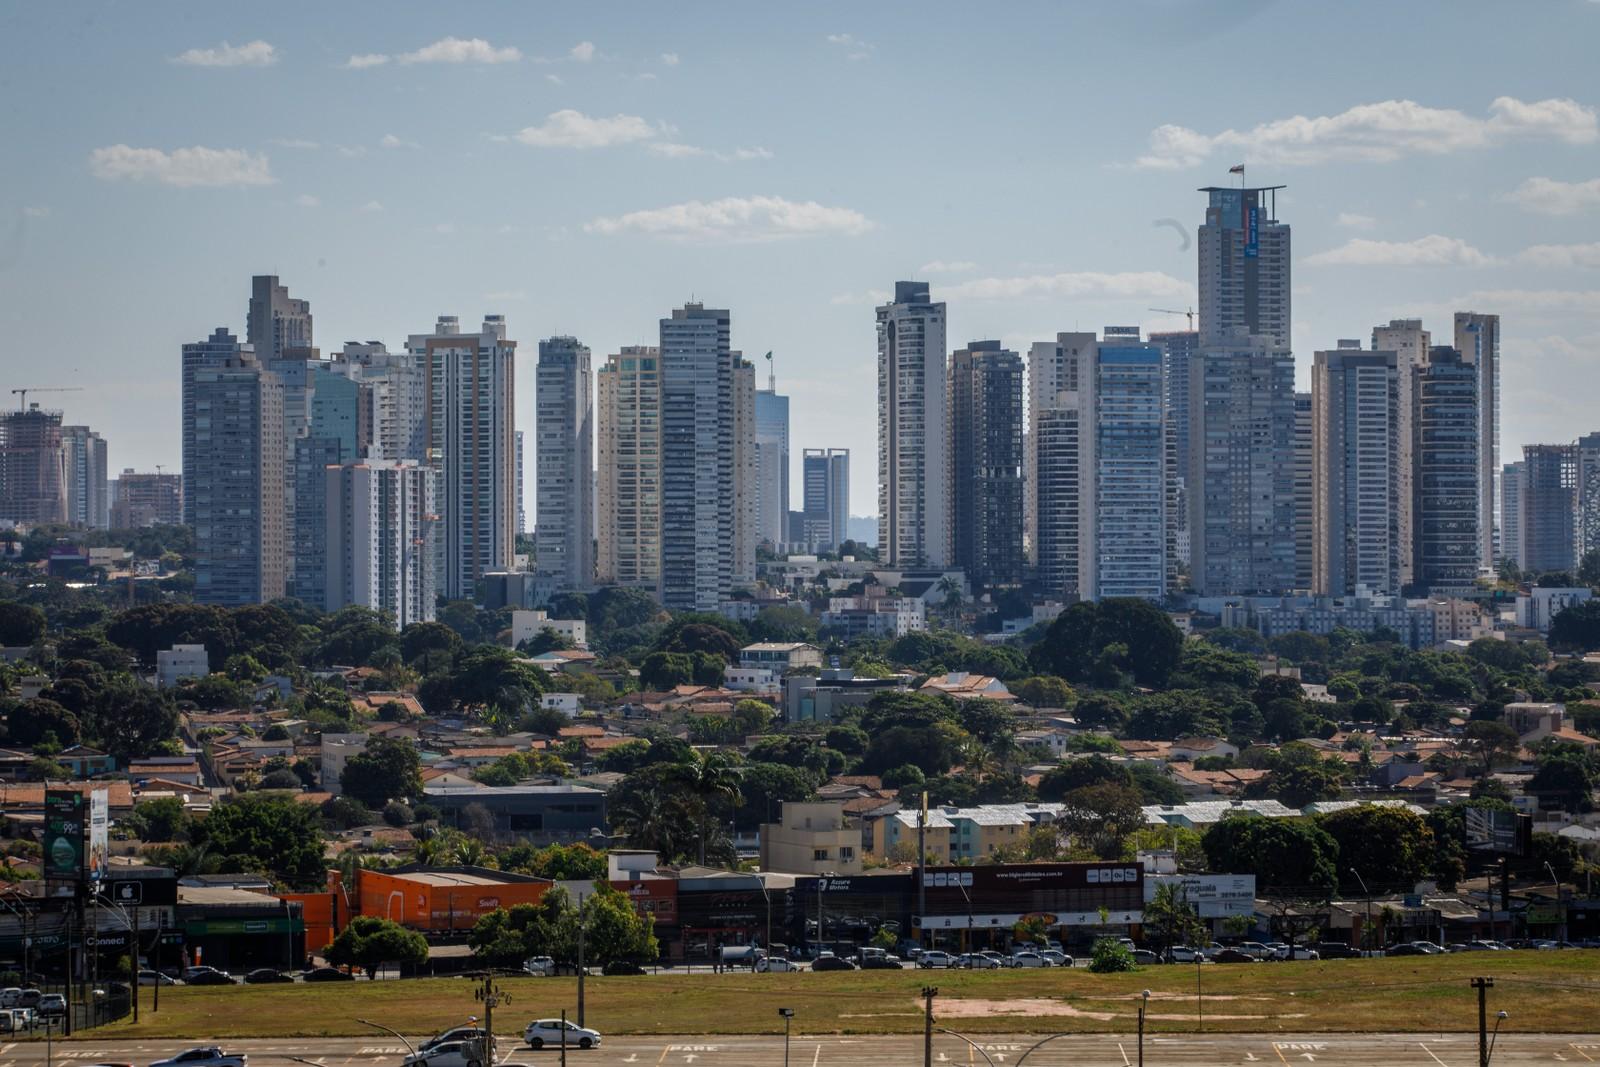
[772,374]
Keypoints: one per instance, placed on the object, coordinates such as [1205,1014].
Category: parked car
[832,963]
[266,976]
[460,1033]
[624,969]
[1233,955]
[1186,953]
[204,1056]
[539,966]
[1056,957]
[52,1006]
[1028,959]
[991,954]
[1140,956]
[1430,948]
[16,1020]
[448,1054]
[542,1033]
[1338,950]
[977,961]
[29,998]
[1298,952]
[776,965]
[327,974]
[883,963]
[1406,949]
[935,958]
[151,978]
[8,996]
[1258,949]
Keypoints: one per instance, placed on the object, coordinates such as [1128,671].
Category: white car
[204,1056]
[1056,957]
[1300,952]
[546,1033]
[1187,954]
[539,966]
[9,996]
[934,959]
[1029,959]
[775,964]
[459,1034]
[1255,949]
[448,1054]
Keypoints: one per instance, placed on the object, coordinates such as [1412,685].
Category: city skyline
[1416,189]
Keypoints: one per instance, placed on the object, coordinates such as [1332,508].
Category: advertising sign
[99,825]
[1213,896]
[1498,831]
[64,834]
[1252,231]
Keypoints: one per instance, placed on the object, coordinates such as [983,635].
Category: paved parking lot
[1079,1050]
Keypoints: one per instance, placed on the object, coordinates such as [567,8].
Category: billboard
[65,825]
[1214,896]
[99,825]
[1505,832]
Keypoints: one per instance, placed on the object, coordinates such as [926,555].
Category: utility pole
[491,996]
[563,1037]
[155,960]
[581,901]
[1143,1003]
[133,957]
[1483,985]
[922,868]
[928,993]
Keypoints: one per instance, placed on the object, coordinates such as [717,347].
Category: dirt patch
[975,1008]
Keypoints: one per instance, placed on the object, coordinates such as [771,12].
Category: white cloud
[574,129]
[582,52]
[1553,301]
[372,206]
[1353,221]
[254,54]
[737,219]
[457,50]
[307,200]
[675,150]
[870,297]
[671,58]
[391,141]
[36,212]
[184,167]
[296,142]
[853,46]
[554,79]
[1586,255]
[1129,285]
[1547,196]
[1434,250]
[944,266]
[366,61]
[1378,132]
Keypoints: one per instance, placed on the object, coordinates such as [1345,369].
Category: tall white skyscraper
[399,400]
[380,528]
[1240,488]
[1355,420]
[702,502]
[746,473]
[1510,510]
[1244,266]
[1052,371]
[914,520]
[629,478]
[1477,338]
[772,463]
[470,434]
[1410,344]
[88,486]
[564,467]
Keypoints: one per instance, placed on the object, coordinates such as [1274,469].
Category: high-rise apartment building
[33,467]
[233,472]
[985,420]
[1477,338]
[1303,491]
[826,490]
[1179,348]
[380,525]
[702,502]
[1588,517]
[1355,419]
[1240,488]
[142,499]
[1510,511]
[564,464]
[336,430]
[1056,489]
[1052,371]
[1444,427]
[469,429]
[88,490]
[1244,267]
[746,473]
[1548,507]
[772,463]
[522,510]
[1410,344]
[914,518]
[398,394]
[628,390]
[275,322]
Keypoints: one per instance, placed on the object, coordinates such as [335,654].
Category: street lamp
[1498,1019]
[788,1014]
[1366,933]
[1555,884]
[1144,1002]
[967,940]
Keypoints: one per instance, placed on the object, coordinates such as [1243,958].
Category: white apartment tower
[564,464]
[470,435]
[380,530]
[914,522]
[628,390]
[1355,517]
[1410,344]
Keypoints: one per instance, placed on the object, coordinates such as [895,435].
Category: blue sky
[583,168]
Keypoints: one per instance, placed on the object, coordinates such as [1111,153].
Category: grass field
[1542,991]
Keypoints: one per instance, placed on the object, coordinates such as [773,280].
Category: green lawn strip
[1554,992]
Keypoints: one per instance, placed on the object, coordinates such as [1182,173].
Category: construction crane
[1173,311]
[22,405]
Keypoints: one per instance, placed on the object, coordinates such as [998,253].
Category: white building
[336,752]
[914,522]
[381,540]
[1355,512]
[566,703]
[175,664]
[564,464]
[470,435]
[526,624]
[629,476]
[1539,606]
[1410,344]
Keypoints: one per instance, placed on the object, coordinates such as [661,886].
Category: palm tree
[709,779]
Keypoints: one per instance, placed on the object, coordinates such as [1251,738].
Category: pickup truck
[204,1056]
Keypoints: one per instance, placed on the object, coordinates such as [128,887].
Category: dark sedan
[211,978]
[327,974]
[266,976]
[833,963]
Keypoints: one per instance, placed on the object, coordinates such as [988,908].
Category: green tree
[162,819]
[267,832]
[1044,691]
[1169,918]
[1577,628]
[662,671]
[370,942]
[1492,742]
[1110,956]
[1392,848]
[1073,774]
[20,624]
[31,721]
[1288,856]
[1567,775]
[388,769]
[1101,816]
[1149,644]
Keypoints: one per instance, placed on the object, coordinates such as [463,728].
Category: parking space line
[1580,1051]
[663,1058]
[1125,1062]
[817,1055]
[1279,1051]
[1429,1051]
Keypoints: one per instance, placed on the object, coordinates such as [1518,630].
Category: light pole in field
[1144,1002]
[788,1016]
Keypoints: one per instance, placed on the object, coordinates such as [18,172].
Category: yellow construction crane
[22,405]
[1173,311]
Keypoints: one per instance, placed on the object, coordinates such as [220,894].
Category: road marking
[1125,1061]
[663,1058]
[633,1057]
[1276,1049]
[1579,1051]
[817,1055]
[1429,1051]
[1250,1057]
